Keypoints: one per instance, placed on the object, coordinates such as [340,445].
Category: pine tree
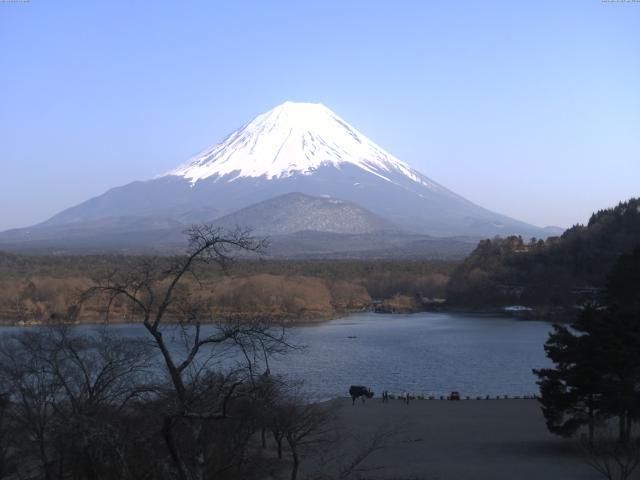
[597,361]
[571,393]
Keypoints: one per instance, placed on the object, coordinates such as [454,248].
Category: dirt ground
[467,439]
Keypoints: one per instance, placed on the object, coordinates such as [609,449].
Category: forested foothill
[554,273]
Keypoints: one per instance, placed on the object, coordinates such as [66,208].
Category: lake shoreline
[315,318]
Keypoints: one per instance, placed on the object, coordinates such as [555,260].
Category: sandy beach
[467,439]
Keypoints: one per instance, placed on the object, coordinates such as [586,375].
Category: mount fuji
[294,148]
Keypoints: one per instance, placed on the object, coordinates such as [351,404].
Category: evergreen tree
[623,288]
[597,361]
[571,393]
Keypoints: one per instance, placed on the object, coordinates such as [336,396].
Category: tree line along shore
[551,277]
[36,289]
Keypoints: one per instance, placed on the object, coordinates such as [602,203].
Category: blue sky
[531,109]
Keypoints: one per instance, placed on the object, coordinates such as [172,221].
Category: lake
[432,353]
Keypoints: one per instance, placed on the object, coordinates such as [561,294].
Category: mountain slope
[295,147]
[295,212]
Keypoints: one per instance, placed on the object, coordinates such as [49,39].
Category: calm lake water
[431,353]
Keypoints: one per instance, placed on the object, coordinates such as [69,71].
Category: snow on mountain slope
[294,138]
[295,147]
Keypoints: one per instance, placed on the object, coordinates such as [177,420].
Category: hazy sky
[531,109]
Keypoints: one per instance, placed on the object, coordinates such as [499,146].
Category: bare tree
[196,398]
[305,426]
[189,400]
[7,452]
[66,394]
[611,458]
[33,393]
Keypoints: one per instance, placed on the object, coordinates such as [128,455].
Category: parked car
[454,396]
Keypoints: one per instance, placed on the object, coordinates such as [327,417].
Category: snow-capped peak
[293,139]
